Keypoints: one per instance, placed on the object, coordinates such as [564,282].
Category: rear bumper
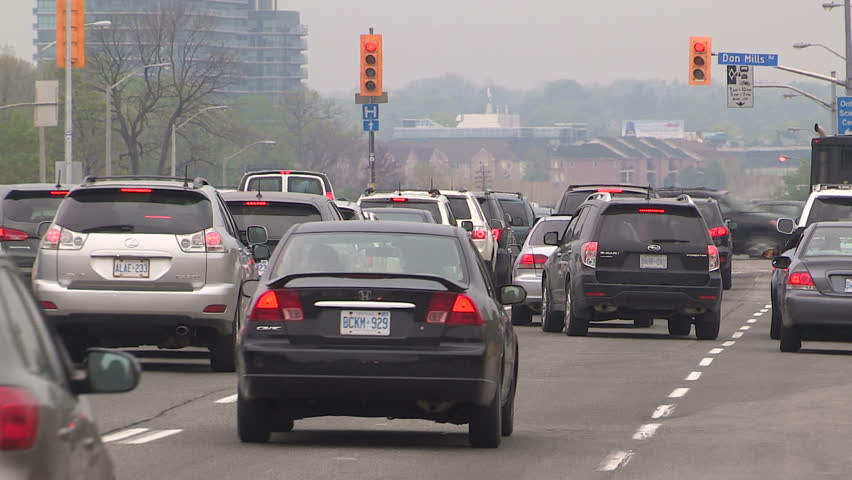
[813,309]
[651,298]
[531,281]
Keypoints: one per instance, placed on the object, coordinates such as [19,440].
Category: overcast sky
[524,44]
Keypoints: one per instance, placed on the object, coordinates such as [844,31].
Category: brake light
[59,193]
[496,233]
[399,199]
[453,309]
[652,210]
[278,306]
[329,195]
[51,239]
[215,308]
[158,217]
[136,190]
[18,419]
[590,254]
[11,235]
[717,232]
[213,242]
[801,281]
[45,305]
[611,190]
[58,238]
[713,258]
[479,234]
[529,260]
[255,204]
[285,172]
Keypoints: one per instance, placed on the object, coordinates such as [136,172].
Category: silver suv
[132,261]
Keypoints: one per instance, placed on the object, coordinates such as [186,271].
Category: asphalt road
[622,403]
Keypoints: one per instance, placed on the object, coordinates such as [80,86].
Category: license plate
[654,262]
[365,322]
[848,288]
[131,268]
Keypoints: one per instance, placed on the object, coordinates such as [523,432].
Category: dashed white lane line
[121,435]
[228,399]
[769,305]
[614,461]
[745,327]
[155,435]
[705,362]
[693,376]
[737,335]
[350,459]
[678,393]
[663,411]
[751,320]
[729,343]
[716,351]
[764,310]
[757,314]
[646,431]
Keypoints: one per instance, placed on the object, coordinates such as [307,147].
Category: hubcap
[544,301]
[567,308]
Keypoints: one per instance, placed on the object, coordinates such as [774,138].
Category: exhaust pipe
[182,330]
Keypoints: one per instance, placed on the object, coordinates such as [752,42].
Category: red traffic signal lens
[371,46]
[782,159]
[700,47]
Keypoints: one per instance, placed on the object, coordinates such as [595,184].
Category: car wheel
[252,420]
[551,321]
[521,315]
[222,354]
[574,325]
[775,322]
[680,325]
[727,280]
[284,425]
[507,423]
[485,427]
[643,322]
[791,341]
[707,328]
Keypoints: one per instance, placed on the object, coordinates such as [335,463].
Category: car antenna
[186,176]
[648,195]
[59,179]
[259,195]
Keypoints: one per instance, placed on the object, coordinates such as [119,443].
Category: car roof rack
[685,198]
[832,186]
[604,196]
[198,182]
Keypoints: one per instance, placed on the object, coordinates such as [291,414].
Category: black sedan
[377,319]
[814,289]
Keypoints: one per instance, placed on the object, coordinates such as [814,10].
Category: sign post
[740,86]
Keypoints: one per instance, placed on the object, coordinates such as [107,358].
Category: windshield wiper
[109,228]
[669,240]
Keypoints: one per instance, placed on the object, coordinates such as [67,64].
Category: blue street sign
[753,59]
[370,112]
[371,125]
[844,115]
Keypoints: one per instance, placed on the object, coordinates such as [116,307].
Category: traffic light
[78,33]
[700,63]
[371,65]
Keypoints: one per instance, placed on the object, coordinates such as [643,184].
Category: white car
[432,201]
[826,203]
[465,207]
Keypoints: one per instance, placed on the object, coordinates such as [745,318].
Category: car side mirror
[494,223]
[786,226]
[732,225]
[467,225]
[782,263]
[514,249]
[111,371]
[43,227]
[551,238]
[257,235]
[249,287]
[512,294]
[260,252]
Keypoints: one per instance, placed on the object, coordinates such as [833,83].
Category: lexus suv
[636,259]
[432,201]
[132,261]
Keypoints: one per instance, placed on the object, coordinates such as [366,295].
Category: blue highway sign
[844,115]
[370,112]
[371,125]
[753,59]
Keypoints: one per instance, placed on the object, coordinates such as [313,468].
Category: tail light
[530,260]
[11,235]
[495,232]
[453,309]
[255,204]
[278,306]
[611,190]
[717,232]
[479,234]
[713,258]
[205,241]
[213,241]
[329,195]
[58,238]
[18,419]
[652,210]
[47,305]
[399,199]
[136,190]
[801,281]
[590,254]
[60,193]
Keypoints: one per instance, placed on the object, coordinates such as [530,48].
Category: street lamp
[99,24]
[108,155]
[175,128]
[225,162]
[801,45]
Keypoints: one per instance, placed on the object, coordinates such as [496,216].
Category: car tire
[252,420]
[284,425]
[680,326]
[575,325]
[222,354]
[791,340]
[485,427]
[521,315]
[551,321]
[643,322]
[507,422]
[727,280]
[775,322]
[707,328]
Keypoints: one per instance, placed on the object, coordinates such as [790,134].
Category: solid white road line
[155,435]
[737,335]
[646,431]
[678,392]
[663,411]
[693,376]
[751,320]
[716,351]
[705,362]
[729,343]
[112,437]
[228,399]
[745,327]
[614,461]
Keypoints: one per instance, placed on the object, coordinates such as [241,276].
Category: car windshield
[367,252]
[460,208]
[634,224]
[31,207]
[430,206]
[277,217]
[300,184]
[400,216]
[830,209]
[135,210]
[829,242]
[536,238]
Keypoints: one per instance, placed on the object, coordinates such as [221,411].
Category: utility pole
[69,95]
[482,177]
[834,125]
[848,24]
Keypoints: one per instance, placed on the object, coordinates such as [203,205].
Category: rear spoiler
[282,281]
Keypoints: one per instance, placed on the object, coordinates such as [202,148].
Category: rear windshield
[428,205]
[537,235]
[460,208]
[830,209]
[829,242]
[572,200]
[109,210]
[304,185]
[277,217]
[365,252]
[265,184]
[348,213]
[711,213]
[489,212]
[517,209]
[401,216]
[31,207]
[653,224]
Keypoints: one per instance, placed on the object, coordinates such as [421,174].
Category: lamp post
[847,20]
[108,154]
[831,106]
[225,162]
[801,45]
[175,128]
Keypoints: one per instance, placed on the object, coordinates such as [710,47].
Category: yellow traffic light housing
[78,33]
[371,65]
[700,60]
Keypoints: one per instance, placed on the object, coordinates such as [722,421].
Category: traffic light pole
[69,96]
[847,15]
[372,159]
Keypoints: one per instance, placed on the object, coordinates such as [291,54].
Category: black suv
[500,223]
[523,216]
[636,259]
[720,232]
[576,194]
